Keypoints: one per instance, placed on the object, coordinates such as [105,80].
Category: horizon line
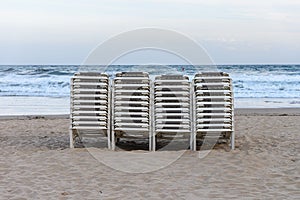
[153,64]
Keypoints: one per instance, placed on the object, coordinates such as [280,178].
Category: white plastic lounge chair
[172,116]
[131,106]
[89,114]
[213,103]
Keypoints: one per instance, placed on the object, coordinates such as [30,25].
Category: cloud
[233,24]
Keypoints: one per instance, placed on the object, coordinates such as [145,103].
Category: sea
[45,89]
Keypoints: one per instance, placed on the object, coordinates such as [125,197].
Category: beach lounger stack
[90,109]
[131,106]
[172,116]
[213,102]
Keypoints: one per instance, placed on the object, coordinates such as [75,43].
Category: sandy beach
[36,163]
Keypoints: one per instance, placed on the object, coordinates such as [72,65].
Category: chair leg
[113,141]
[232,141]
[154,142]
[150,142]
[109,140]
[193,142]
[71,138]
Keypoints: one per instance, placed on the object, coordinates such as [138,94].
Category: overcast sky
[232,31]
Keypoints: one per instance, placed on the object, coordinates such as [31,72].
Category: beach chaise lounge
[170,107]
[213,103]
[172,112]
[131,106]
[90,107]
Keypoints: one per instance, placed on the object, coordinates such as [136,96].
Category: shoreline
[238,112]
[44,106]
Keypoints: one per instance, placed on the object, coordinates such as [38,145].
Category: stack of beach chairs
[172,112]
[214,115]
[90,106]
[130,106]
[170,107]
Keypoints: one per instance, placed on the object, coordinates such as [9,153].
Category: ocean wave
[249,81]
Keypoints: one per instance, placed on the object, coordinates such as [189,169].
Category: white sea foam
[251,81]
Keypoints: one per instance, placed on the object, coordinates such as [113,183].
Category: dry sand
[36,163]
